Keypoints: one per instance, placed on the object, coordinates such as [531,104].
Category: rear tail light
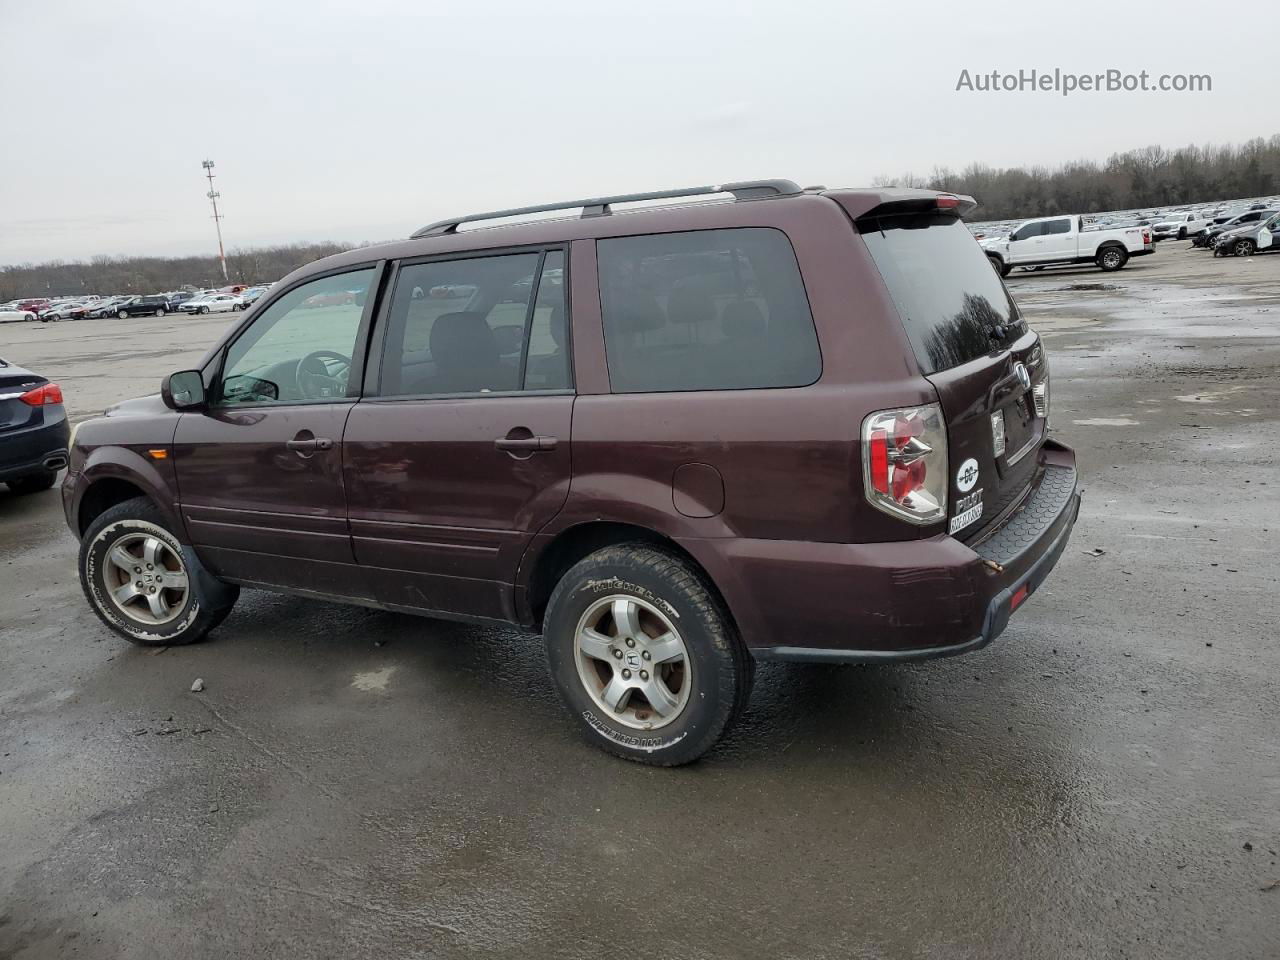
[1040,397]
[43,395]
[946,201]
[904,462]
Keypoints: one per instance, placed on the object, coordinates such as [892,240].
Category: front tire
[33,483]
[645,656]
[1182,233]
[999,266]
[203,310]
[122,314]
[1112,259]
[1242,248]
[143,583]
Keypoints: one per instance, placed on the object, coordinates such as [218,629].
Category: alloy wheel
[633,662]
[145,578]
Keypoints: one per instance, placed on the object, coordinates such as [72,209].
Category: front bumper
[912,600]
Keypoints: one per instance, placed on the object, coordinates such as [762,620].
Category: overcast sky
[363,120]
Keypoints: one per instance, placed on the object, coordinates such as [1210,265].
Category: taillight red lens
[42,395]
[947,202]
[878,458]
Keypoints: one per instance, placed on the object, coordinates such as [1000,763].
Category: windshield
[953,305]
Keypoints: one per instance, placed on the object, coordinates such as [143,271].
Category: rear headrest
[638,312]
[462,338]
[743,318]
[690,305]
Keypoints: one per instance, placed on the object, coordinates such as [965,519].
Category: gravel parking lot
[1103,781]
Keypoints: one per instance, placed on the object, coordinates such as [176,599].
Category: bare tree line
[111,275]
[1136,179]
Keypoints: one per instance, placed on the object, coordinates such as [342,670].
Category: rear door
[975,348]
[461,453]
[1059,241]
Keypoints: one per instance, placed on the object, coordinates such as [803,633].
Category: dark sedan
[33,430]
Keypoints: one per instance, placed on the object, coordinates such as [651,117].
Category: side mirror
[183,390]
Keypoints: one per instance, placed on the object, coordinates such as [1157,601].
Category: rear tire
[33,482]
[160,595]
[1111,259]
[161,312]
[645,656]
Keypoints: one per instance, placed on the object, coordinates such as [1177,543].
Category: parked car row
[151,305]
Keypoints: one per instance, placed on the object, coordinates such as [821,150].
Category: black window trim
[358,357]
[804,288]
[377,356]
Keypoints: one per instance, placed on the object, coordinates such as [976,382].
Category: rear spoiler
[899,200]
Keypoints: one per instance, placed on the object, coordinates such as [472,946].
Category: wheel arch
[547,564]
[113,475]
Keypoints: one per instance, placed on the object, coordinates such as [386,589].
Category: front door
[463,454]
[260,471]
[1026,244]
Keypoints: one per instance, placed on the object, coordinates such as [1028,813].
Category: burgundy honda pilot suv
[768,423]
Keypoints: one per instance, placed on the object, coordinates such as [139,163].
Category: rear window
[705,310]
[953,305]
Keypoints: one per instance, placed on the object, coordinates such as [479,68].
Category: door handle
[526,444]
[309,446]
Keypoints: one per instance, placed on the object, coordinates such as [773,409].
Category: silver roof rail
[599,206]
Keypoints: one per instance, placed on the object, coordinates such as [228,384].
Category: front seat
[466,355]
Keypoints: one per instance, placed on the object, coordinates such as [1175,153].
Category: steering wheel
[317,380]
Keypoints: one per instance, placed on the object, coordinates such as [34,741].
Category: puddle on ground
[373,681]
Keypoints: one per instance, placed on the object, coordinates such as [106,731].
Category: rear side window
[952,303]
[491,324]
[705,310]
[1057,226]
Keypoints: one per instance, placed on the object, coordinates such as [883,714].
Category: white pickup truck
[1062,240]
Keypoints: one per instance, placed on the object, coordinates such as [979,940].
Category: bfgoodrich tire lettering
[667,597]
[138,528]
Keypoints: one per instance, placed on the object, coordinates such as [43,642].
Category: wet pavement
[1103,781]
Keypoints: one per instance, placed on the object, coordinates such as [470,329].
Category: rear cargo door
[974,346]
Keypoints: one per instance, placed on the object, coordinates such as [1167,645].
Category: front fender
[154,478]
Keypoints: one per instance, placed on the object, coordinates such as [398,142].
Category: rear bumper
[35,450]
[902,601]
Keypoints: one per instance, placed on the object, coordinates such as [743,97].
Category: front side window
[1028,230]
[705,310]
[299,348]
[492,324]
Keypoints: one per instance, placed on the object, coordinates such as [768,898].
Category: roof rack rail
[599,206]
